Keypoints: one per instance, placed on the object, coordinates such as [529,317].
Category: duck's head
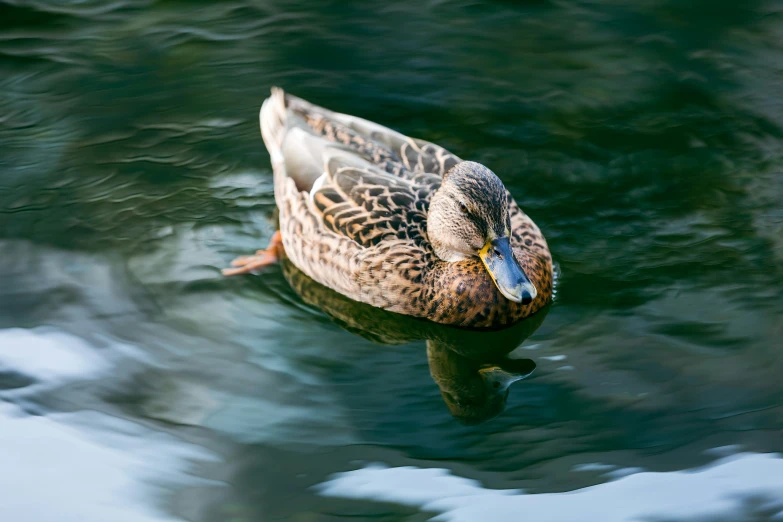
[468,217]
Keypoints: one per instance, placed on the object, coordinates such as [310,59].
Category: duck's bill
[505,271]
[498,379]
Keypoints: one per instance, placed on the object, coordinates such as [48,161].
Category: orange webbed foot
[261,259]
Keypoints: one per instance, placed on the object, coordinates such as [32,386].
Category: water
[136,383]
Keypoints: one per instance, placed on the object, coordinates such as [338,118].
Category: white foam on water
[593,466]
[48,355]
[84,466]
[87,467]
[719,491]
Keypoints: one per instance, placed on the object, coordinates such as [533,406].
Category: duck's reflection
[471,368]
[474,389]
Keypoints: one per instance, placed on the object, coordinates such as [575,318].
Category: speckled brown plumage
[362,228]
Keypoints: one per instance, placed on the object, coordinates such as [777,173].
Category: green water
[644,138]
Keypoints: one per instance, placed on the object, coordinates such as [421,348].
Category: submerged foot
[262,258]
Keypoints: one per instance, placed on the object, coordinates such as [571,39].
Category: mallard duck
[397,222]
[471,367]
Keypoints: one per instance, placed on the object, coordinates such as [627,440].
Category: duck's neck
[440,229]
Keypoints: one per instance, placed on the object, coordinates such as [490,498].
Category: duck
[397,223]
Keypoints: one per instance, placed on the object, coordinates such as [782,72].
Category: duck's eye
[463,208]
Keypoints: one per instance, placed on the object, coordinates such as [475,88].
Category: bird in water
[397,222]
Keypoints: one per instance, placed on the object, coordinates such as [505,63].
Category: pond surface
[138,384]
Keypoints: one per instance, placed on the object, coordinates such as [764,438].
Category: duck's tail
[273,118]
[297,151]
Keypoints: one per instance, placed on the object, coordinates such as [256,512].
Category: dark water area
[136,383]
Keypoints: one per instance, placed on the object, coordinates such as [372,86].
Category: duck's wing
[365,182]
[391,151]
[370,206]
[346,213]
